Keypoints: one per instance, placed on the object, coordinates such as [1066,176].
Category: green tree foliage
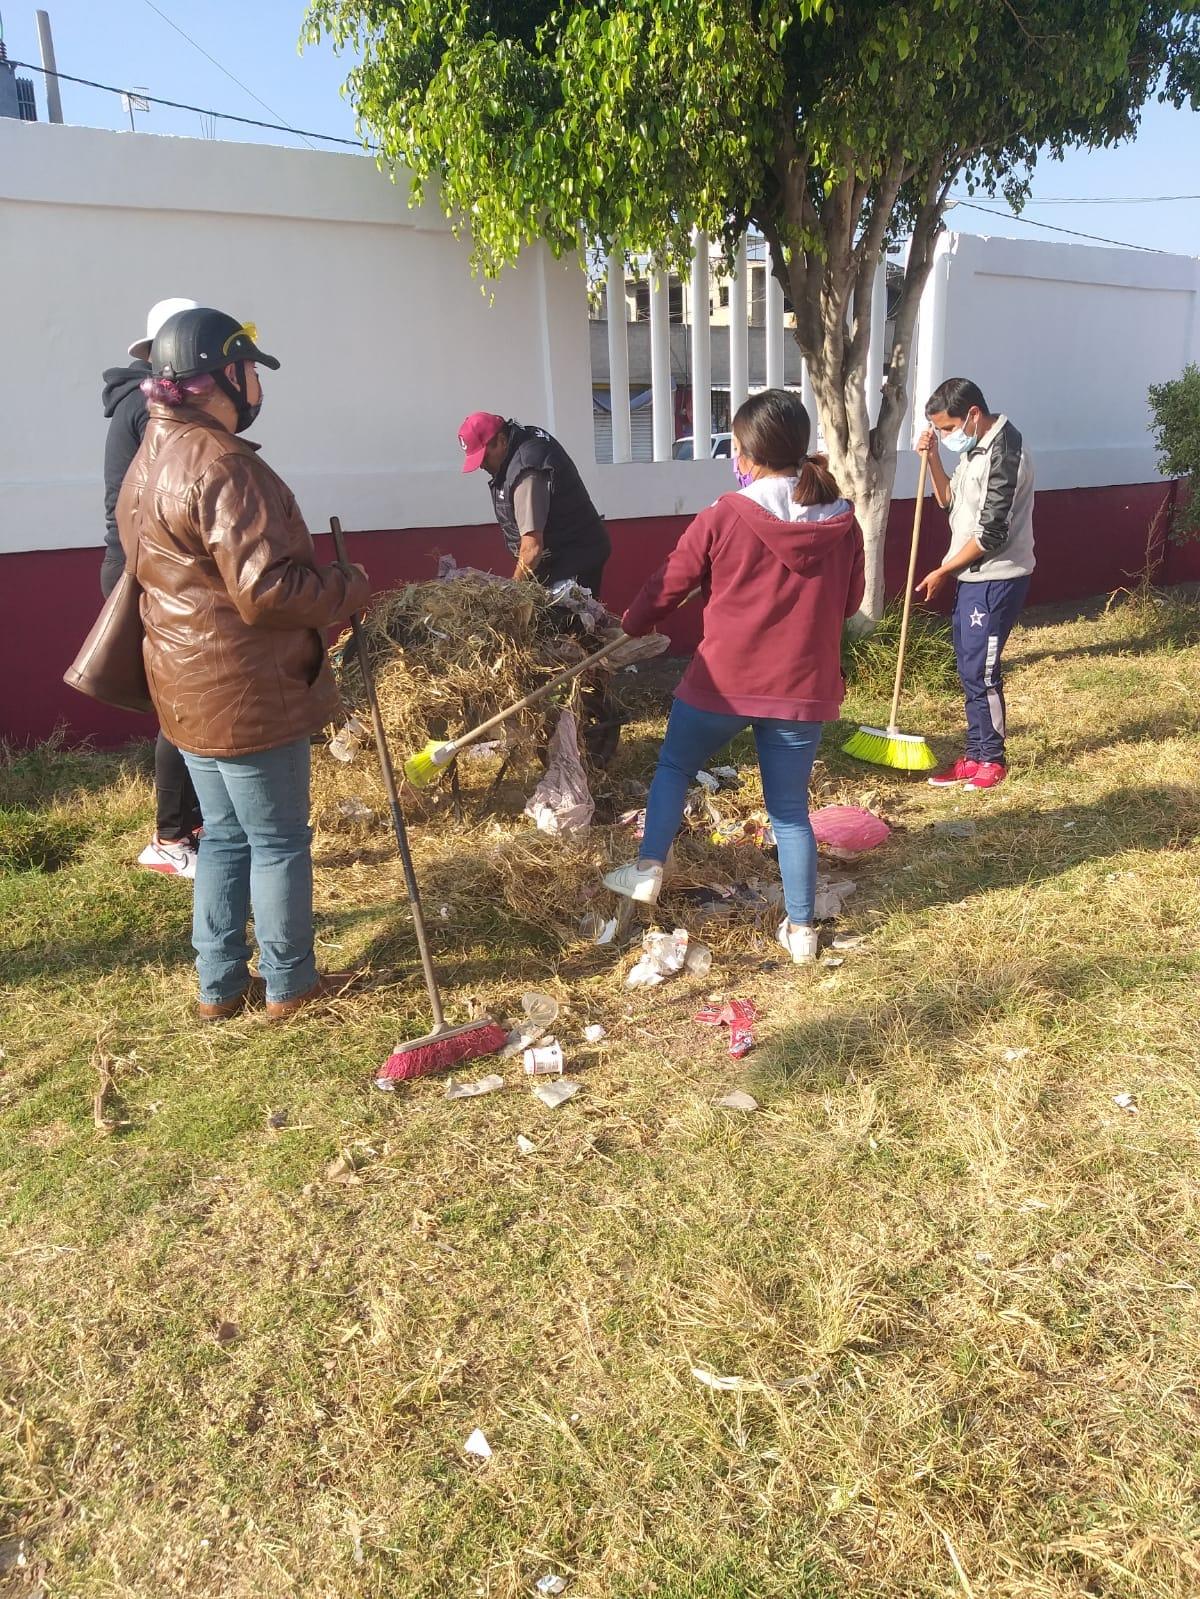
[1176,409]
[833,126]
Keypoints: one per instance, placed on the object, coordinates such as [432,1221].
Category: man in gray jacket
[990,501]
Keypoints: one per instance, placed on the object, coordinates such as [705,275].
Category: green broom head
[426,764]
[903,752]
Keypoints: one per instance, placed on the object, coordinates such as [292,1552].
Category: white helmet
[155,317]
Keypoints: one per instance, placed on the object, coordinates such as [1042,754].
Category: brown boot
[250,998]
[329,985]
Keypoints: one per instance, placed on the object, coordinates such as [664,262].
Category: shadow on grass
[122,946]
[1166,622]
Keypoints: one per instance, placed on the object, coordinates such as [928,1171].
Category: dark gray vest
[575,536]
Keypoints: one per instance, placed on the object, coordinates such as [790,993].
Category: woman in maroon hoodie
[780,566]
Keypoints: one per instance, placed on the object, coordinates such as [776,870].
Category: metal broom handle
[389,784]
[908,588]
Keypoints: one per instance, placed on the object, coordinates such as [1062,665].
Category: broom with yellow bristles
[888,746]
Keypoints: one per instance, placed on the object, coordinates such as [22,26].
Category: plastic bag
[562,801]
[848,830]
[663,954]
[568,595]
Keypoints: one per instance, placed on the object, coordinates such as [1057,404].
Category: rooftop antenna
[135,100]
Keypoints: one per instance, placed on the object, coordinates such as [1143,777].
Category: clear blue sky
[127,42]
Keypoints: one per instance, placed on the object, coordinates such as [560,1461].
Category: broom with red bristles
[444,1045]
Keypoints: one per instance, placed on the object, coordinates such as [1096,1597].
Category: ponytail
[177,391]
[817,484]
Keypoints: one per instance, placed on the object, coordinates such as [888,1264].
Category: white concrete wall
[1066,339]
[387,341]
[385,338]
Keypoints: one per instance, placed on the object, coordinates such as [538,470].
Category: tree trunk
[831,294]
[868,483]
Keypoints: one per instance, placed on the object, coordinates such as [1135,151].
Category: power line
[1031,222]
[1097,199]
[355,144]
[248,90]
[202,111]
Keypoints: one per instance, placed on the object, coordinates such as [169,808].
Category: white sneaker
[176,860]
[642,883]
[800,942]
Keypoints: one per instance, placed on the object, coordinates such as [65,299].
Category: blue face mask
[958,440]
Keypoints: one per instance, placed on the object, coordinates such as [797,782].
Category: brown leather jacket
[233,602]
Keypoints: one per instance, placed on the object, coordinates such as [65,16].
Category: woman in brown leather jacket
[234,606]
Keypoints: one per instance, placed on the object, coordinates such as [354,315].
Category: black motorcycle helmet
[204,341]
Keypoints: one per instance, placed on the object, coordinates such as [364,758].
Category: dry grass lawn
[952,1282]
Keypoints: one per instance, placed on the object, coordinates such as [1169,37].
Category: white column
[618,358]
[929,342]
[739,343]
[701,351]
[876,349]
[774,329]
[660,364]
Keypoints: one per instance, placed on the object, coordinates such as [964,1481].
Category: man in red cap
[550,525]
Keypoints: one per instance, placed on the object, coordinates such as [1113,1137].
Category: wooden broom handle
[539,693]
[548,688]
[387,772]
[908,588]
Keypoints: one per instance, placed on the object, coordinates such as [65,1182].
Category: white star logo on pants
[978,617]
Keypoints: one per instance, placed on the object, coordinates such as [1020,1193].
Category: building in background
[681,316]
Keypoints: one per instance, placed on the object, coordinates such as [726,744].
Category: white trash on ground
[544,1059]
[554,1094]
[541,1013]
[478,1446]
[663,954]
[485,1085]
[832,893]
[737,1100]
[562,802]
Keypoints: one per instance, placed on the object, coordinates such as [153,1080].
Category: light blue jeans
[786,751]
[255,851]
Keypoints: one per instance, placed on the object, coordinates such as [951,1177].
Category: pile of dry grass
[447,655]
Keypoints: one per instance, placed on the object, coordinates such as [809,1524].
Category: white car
[721,446]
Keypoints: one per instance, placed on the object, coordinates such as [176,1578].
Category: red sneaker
[963,768]
[987,775]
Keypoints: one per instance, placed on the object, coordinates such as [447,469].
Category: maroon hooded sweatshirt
[775,595]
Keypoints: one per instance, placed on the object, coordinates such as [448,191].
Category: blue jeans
[984,614]
[786,751]
[255,851]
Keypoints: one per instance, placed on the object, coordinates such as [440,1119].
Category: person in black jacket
[172,850]
[551,528]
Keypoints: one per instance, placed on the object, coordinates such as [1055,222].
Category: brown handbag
[110,666]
